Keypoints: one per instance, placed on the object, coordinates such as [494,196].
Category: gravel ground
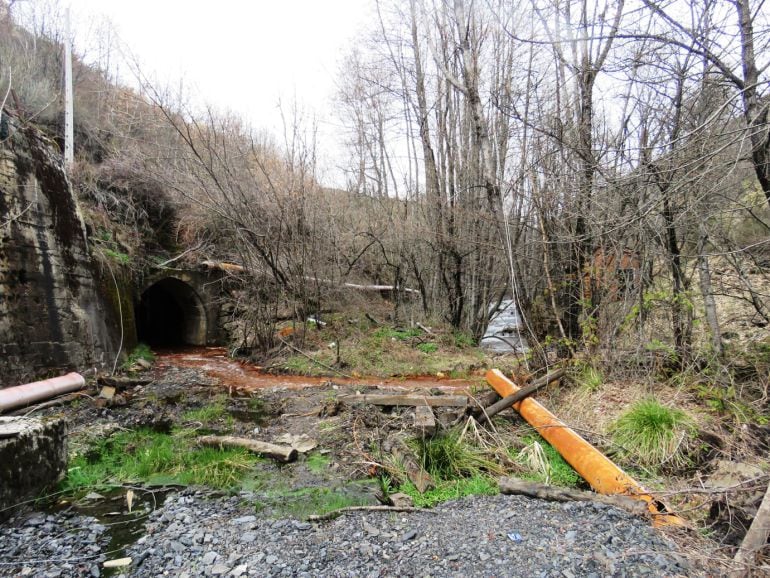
[194,535]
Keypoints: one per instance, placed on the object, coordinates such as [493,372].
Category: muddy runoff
[215,362]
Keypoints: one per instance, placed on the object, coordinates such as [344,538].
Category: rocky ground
[195,534]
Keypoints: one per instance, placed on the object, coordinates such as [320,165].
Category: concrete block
[33,458]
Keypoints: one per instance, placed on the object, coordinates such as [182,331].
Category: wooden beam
[407,400]
[424,420]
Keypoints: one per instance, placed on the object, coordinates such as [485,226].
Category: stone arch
[170,312]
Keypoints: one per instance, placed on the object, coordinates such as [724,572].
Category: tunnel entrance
[170,313]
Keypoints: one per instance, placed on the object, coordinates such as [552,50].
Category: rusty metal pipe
[597,469]
[21,395]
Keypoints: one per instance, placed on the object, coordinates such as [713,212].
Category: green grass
[306,502]
[208,413]
[428,347]
[545,464]
[141,351]
[653,434]
[458,468]
[447,457]
[150,457]
[117,256]
[588,377]
[476,485]
[317,463]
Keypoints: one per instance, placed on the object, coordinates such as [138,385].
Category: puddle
[123,527]
[215,362]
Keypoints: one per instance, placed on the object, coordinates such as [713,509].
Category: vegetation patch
[146,456]
[317,463]
[141,352]
[653,435]
[476,485]
[210,415]
[544,464]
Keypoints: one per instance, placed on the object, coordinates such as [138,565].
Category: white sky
[245,56]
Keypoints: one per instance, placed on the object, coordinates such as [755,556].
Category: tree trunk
[709,304]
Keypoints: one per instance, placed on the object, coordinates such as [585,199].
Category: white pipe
[21,395]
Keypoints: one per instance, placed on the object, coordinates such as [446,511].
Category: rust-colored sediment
[215,362]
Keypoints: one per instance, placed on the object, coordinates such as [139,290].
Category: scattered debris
[401,500]
[421,479]
[280,453]
[425,329]
[755,539]
[302,443]
[336,513]
[515,537]
[107,392]
[123,382]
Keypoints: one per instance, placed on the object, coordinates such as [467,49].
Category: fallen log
[512,486]
[755,539]
[523,393]
[336,513]
[281,453]
[407,400]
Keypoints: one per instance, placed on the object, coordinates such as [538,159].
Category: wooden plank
[424,420]
[407,400]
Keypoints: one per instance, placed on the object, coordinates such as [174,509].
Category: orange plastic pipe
[597,469]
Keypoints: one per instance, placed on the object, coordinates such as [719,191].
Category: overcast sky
[246,56]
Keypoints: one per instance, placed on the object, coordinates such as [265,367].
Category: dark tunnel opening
[170,314]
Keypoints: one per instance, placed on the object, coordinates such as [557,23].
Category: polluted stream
[215,362]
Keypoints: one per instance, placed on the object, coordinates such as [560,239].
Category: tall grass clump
[652,434]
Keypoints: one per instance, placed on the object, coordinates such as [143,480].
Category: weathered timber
[407,400]
[421,479]
[281,453]
[512,486]
[523,393]
[427,330]
[755,539]
[424,420]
